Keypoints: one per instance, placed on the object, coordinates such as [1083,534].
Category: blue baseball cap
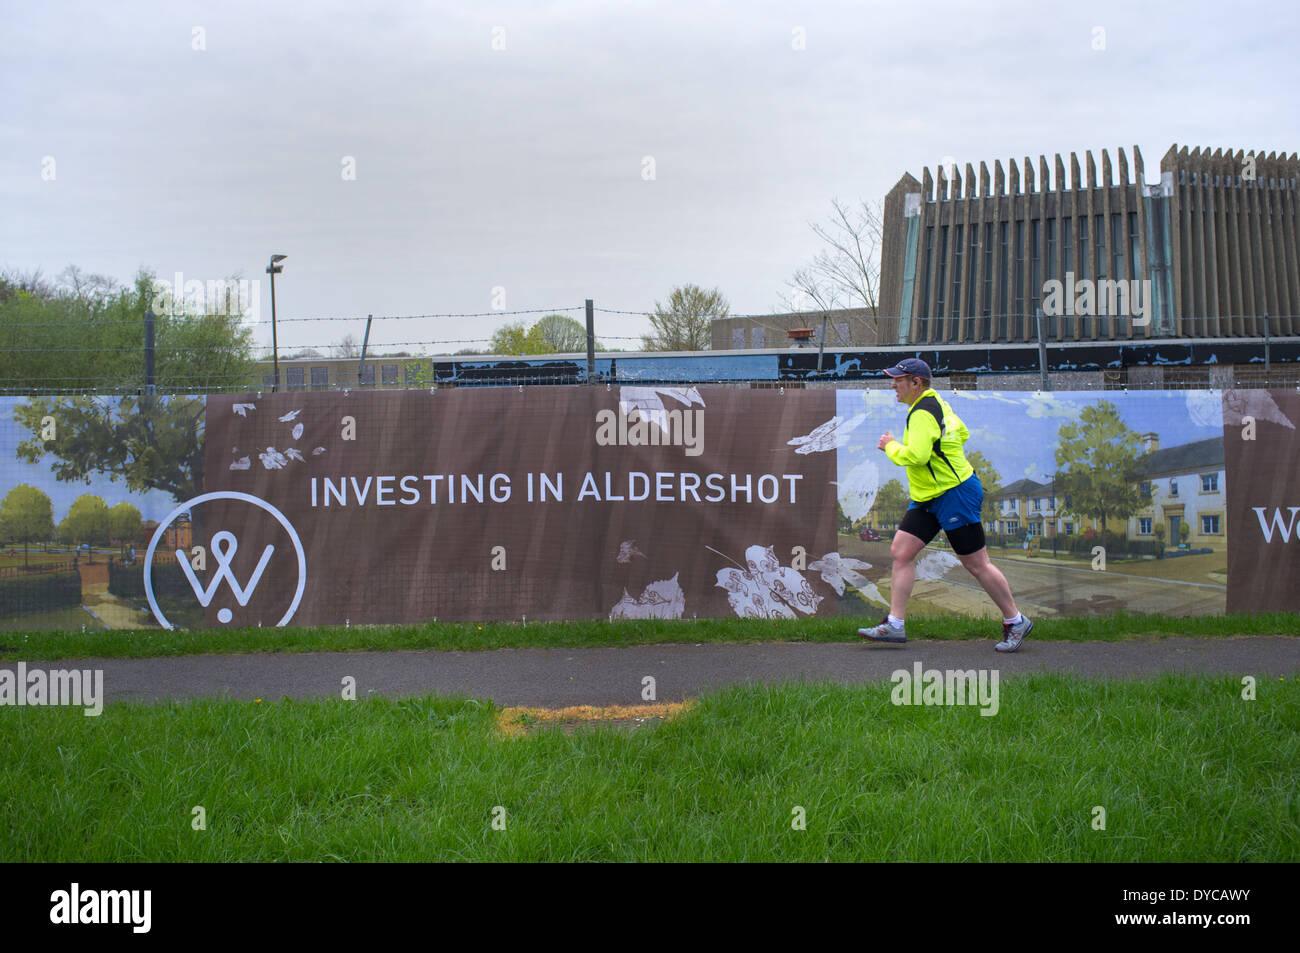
[909,365]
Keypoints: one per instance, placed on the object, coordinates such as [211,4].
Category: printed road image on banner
[1093,502]
[365,507]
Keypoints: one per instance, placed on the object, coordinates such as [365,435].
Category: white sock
[1016,621]
[895,622]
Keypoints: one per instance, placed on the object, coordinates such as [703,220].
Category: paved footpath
[613,676]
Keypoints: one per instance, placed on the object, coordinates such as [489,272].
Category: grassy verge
[1184,768]
[470,636]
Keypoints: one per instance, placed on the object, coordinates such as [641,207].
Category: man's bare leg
[904,550]
[990,577]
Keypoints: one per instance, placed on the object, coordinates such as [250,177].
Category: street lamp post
[274,269]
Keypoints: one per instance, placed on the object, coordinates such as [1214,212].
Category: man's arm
[922,432]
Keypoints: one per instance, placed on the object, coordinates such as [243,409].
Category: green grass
[474,636]
[1185,769]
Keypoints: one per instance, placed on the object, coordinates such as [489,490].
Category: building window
[925,281]
[1013,527]
[1020,278]
[974,264]
[1144,526]
[1209,525]
[1002,282]
[758,336]
[1209,483]
[1173,487]
[1067,246]
[987,307]
[1117,246]
[1101,247]
[320,378]
[268,381]
[737,339]
[941,284]
[1051,249]
[295,378]
[1144,489]
[956,272]
[842,331]
[368,376]
[388,373]
[1134,245]
[1068,528]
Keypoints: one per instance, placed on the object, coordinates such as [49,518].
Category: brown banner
[1261,446]
[555,503]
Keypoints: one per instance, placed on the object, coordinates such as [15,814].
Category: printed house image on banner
[1183,486]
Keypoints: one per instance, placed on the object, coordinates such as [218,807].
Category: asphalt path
[615,676]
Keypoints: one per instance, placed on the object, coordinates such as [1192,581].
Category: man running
[946,494]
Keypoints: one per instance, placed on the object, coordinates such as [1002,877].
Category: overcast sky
[203,137]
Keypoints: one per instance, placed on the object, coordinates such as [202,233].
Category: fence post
[149,385]
[1042,348]
[361,368]
[591,341]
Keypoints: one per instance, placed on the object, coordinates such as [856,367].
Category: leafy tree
[26,516]
[87,522]
[891,503]
[125,524]
[1098,458]
[518,338]
[149,443]
[686,322]
[563,334]
[88,332]
[991,480]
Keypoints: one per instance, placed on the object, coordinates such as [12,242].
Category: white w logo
[1283,529]
[224,547]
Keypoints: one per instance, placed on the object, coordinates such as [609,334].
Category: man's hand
[885,439]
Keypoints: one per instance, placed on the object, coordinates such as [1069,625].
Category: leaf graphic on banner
[829,436]
[318,451]
[290,415]
[243,409]
[297,431]
[767,590]
[243,463]
[293,453]
[1239,404]
[836,570]
[934,565]
[1205,407]
[649,401]
[660,600]
[857,492]
[273,459]
[626,550]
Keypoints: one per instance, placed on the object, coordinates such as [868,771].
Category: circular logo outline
[224,495]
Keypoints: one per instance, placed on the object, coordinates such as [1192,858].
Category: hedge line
[39,592]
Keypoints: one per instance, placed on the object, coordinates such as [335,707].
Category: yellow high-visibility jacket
[931,448]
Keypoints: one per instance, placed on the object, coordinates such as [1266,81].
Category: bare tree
[348,347]
[846,273]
